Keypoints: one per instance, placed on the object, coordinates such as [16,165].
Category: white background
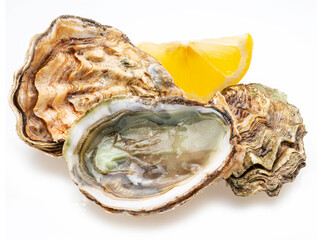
[41,202]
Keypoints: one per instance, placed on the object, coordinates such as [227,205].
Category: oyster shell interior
[130,155]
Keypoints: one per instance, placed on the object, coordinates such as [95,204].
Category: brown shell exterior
[271,131]
[72,66]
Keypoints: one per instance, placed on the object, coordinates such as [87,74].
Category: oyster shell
[73,65]
[145,155]
[271,132]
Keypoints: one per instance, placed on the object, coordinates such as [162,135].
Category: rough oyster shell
[271,132]
[73,65]
[142,155]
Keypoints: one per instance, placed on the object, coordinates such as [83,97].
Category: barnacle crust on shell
[271,146]
[72,66]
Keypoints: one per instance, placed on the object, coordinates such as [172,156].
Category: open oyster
[73,65]
[141,155]
[271,131]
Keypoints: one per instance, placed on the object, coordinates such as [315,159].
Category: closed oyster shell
[72,66]
[271,130]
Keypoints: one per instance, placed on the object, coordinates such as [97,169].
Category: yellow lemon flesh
[203,67]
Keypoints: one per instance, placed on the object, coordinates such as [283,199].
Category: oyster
[143,155]
[73,65]
[271,143]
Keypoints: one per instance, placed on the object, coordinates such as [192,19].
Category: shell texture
[271,144]
[72,66]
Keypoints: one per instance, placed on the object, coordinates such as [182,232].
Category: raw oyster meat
[73,65]
[143,155]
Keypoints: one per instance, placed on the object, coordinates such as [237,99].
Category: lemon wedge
[201,68]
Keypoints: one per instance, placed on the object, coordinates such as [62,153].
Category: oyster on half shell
[143,155]
[75,64]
